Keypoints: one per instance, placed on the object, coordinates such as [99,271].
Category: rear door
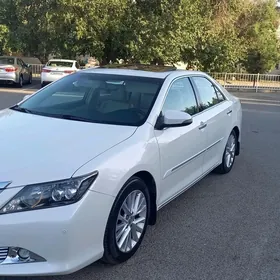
[216,112]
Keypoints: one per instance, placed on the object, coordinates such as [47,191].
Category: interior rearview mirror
[172,118]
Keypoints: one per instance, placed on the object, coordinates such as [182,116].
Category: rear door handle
[202,125]
[229,112]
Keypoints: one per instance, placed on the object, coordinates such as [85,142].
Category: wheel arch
[149,180]
[237,132]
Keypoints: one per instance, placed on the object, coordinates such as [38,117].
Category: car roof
[152,71]
[26,59]
[66,60]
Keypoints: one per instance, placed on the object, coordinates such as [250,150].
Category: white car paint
[51,73]
[38,149]
[21,126]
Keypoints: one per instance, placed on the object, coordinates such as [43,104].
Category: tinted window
[207,92]
[7,60]
[20,62]
[57,63]
[101,98]
[77,65]
[181,97]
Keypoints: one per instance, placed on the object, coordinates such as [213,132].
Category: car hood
[37,149]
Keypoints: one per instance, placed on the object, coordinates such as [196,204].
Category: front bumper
[8,77]
[68,237]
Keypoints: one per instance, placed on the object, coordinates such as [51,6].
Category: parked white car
[13,70]
[56,69]
[100,152]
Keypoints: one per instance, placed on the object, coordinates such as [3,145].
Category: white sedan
[56,69]
[87,161]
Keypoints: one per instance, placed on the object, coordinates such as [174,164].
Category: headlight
[50,194]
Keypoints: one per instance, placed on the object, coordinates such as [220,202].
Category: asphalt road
[225,227]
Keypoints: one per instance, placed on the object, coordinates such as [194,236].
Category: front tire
[229,155]
[127,222]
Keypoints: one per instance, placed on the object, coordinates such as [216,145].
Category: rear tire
[127,222]
[229,155]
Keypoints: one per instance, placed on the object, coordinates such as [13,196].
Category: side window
[207,92]
[77,65]
[22,63]
[221,97]
[181,97]
[19,62]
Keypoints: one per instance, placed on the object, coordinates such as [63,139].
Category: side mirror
[173,118]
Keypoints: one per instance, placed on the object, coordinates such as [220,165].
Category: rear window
[57,63]
[7,60]
[98,98]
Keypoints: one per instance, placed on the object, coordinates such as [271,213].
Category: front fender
[138,153]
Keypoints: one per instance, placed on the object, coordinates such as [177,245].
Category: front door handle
[229,112]
[202,125]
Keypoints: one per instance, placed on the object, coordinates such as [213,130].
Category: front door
[181,148]
[23,70]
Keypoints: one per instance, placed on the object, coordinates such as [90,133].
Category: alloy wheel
[230,151]
[132,218]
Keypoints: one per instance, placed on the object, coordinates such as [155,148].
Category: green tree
[94,27]
[263,44]
[218,46]
[30,30]
[214,35]
[4,39]
[161,28]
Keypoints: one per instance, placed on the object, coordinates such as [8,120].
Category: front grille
[3,253]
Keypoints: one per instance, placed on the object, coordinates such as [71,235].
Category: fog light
[24,254]
[18,255]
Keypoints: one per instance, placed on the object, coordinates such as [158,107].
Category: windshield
[7,60]
[100,98]
[57,63]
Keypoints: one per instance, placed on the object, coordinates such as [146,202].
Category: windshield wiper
[73,118]
[60,116]
[20,109]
